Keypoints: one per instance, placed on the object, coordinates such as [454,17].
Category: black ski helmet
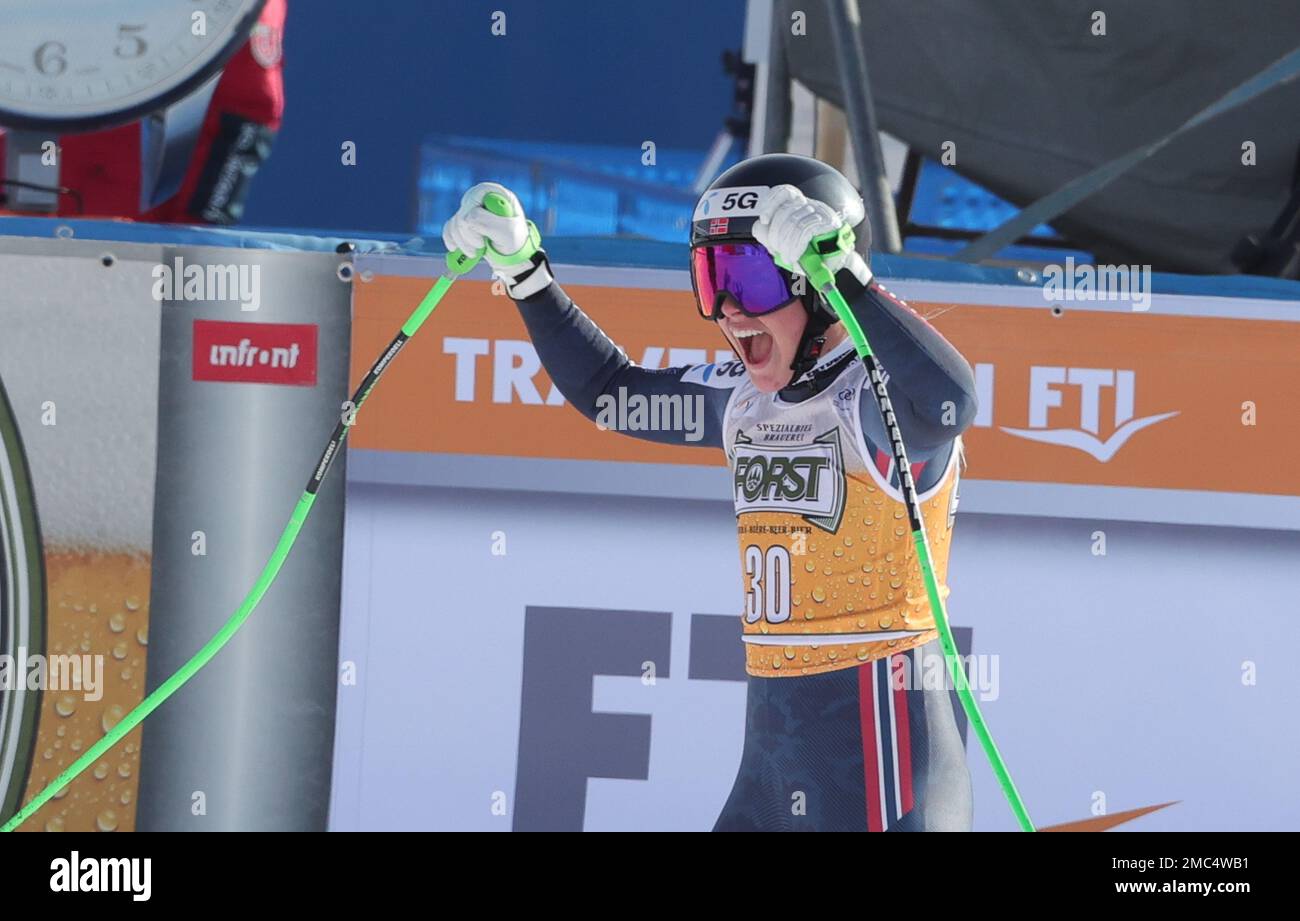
[812,177]
[726,213]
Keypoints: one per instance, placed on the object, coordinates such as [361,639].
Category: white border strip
[1027,296]
[827,639]
[712,484]
[1131,503]
[1030,297]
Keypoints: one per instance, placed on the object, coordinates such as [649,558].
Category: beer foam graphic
[79,347]
[80,343]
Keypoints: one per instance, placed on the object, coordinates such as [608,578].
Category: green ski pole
[813,264]
[458,264]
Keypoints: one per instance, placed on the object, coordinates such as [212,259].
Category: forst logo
[790,478]
[806,480]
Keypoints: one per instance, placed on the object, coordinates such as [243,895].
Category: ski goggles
[746,272]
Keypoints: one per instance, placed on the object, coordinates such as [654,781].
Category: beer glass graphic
[22,610]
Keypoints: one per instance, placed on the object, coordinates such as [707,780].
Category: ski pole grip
[459,263]
[498,204]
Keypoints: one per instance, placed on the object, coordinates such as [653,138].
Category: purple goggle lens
[745,271]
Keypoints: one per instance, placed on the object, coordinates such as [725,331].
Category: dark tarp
[1033,99]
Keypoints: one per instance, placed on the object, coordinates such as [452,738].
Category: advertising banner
[1141,410]
[543,619]
[162,407]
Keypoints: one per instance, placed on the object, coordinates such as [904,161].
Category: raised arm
[682,405]
[594,374]
[930,384]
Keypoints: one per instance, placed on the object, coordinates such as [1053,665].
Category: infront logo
[256,353]
[1047,384]
[806,479]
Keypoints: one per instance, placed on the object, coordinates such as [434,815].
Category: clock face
[77,65]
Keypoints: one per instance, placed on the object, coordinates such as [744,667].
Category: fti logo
[1096,388]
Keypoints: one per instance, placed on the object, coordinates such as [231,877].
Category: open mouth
[755,345]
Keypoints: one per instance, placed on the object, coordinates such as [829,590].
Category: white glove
[788,221]
[474,227]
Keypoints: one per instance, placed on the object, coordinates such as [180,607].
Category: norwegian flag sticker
[718,225]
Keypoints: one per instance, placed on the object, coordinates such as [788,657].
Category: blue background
[389,72]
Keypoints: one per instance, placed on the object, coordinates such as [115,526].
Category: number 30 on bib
[767,596]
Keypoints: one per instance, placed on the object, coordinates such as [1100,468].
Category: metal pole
[861,115]
[776,87]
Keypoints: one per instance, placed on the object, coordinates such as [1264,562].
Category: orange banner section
[1089,397]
